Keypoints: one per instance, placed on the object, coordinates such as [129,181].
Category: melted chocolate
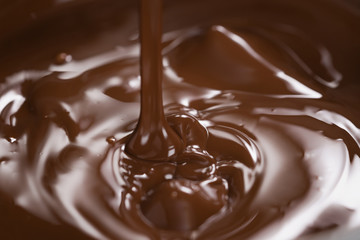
[261,137]
[153,139]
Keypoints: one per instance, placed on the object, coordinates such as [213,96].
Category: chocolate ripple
[270,151]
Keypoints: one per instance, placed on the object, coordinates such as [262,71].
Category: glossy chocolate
[259,136]
[152,139]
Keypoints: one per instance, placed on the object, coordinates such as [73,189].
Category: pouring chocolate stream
[260,94]
[153,139]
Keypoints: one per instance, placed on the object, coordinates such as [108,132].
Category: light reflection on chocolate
[262,94]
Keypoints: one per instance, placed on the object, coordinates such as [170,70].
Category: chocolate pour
[165,204]
[153,139]
[270,142]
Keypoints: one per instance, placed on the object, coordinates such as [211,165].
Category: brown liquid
[261,129]
[153,139]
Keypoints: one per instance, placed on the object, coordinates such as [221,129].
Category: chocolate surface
[259,136]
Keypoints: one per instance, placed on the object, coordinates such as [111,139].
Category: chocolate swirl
[263,96]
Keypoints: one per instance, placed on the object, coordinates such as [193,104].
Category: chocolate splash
[261,94]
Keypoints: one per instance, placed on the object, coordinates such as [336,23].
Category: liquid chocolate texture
[247,125]
[153,138]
